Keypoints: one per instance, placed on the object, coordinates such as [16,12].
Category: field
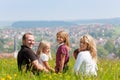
[108,70]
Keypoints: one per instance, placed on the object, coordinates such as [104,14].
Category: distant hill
[102,21]
[27,24]
[42,24]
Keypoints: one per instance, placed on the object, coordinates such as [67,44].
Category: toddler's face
[46,50]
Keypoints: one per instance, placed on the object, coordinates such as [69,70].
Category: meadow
[107,70]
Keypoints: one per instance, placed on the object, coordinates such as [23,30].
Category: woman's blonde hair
[41,47]
[65,37]
[91,45]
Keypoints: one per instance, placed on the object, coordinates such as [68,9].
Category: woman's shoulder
[84,53]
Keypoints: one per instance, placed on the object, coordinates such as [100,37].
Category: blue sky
[15,10]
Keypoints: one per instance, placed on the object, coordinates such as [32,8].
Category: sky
[17,10]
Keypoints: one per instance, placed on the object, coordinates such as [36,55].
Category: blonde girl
[87,57]
[43,53]
[62,54]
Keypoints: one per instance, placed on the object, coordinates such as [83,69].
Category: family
[85,55]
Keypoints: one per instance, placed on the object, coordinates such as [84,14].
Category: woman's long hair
[91,45]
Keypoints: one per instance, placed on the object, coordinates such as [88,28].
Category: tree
[101,51]
[117,51]
[109,46]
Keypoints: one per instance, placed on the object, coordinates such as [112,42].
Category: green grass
[108,70]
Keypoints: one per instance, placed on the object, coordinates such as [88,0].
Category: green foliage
[5,46]
[107,70]
[117,31]
[109,46]
[117,51]
[101,51]
[1,47]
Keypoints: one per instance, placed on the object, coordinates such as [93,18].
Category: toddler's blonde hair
[41,47]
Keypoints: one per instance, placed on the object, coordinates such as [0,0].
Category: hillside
[102,21]
[27,24]
[42,24]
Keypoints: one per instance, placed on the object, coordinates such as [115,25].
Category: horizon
[61,10]
[60,20]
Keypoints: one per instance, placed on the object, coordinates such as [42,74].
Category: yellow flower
[50,77]
[15,75]
[9,77]
[2,79]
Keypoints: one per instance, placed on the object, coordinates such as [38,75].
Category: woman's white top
[85,65]
[43,57]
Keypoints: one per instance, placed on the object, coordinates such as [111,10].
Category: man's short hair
[24,36]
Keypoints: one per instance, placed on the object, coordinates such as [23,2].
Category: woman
[87,57]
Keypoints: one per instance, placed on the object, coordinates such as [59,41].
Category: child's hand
[53,70]
[45,70]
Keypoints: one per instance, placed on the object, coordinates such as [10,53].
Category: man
[26,59]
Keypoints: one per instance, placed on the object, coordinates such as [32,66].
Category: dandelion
[15,75]
[9,77]
[2,79]
[116,64]
[89,78]
[50,77]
